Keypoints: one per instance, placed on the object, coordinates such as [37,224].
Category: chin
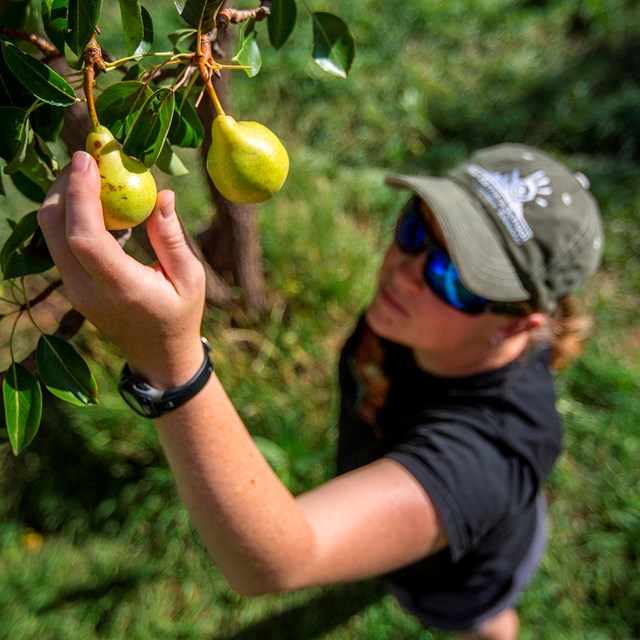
[383,324]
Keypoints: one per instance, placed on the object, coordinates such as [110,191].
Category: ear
[524,324]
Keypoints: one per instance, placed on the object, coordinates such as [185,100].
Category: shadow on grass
[314,618]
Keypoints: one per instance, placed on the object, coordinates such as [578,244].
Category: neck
[457,364]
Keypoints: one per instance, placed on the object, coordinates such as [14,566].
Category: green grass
[431,82]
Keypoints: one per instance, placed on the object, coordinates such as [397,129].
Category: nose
[410,269]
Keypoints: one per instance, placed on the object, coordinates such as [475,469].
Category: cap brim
[472,240]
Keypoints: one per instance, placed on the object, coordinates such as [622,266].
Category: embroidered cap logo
[506,193]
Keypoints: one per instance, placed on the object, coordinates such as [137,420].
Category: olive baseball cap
[518,224]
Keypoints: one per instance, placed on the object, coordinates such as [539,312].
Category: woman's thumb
[170,242]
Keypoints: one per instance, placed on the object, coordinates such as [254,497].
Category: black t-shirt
[481,446]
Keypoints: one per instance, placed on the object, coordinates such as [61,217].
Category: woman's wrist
[168,367]
[152,402]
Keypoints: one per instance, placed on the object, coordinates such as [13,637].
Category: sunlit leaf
[169,162]
[22,397]
[248,49]
[281,21]
[151,127]
[199,14]
[144,46]
[65,372]
[137,27]
[36,76]
[333,44]
[132,27]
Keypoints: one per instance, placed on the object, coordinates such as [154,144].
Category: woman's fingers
[92,245]
[52,221]
[172,247]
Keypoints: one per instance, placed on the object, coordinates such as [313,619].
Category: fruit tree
[58,94]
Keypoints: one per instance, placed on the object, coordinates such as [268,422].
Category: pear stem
[204,57]
[92,61]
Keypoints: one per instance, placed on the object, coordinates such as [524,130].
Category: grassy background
[93,540]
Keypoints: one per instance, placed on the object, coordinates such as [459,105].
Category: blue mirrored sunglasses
[440,273]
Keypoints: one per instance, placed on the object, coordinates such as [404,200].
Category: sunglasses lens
[411,231]
[443,278]
[440,273]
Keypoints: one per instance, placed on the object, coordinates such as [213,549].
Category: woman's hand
[152,313]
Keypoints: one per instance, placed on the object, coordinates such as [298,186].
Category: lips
[390,300]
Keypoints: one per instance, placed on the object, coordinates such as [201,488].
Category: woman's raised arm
[370,521]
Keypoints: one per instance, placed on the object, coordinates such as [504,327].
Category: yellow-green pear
[247,162]
[127,188]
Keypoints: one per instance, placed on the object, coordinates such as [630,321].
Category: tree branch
[235,16]
[42,43]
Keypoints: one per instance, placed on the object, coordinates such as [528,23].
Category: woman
[447,428]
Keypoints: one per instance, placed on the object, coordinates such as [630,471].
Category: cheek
[389,261]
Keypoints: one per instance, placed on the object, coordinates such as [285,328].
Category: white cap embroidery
[507,193]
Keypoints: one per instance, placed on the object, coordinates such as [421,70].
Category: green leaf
[199,14]
[65,372]
[281,21]
[181,40]
[118,106]
[132,27]
[34,161]
[248,49]
[36,76]
[25,251]
[54,20]
[28,187]
[14,132]
[83,17]
[144,46]
[137,27]
[169,162]
[146,137]
[186,127]
[15,14]
[22,397]
[333,45]
[47,121]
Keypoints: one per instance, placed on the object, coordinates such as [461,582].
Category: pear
[127,188]
[247,162]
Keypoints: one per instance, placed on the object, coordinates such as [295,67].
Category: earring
[494,341]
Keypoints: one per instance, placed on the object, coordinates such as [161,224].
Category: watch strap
[153,403]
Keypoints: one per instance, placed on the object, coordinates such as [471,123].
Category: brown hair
[368,362]
[566,331]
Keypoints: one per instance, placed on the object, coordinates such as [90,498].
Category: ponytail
[567,332]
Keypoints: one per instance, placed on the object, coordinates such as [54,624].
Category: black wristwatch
[152,403]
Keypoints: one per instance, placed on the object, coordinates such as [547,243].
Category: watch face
[152,403]
[140,404]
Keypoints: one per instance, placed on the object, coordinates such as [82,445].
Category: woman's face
[406,310]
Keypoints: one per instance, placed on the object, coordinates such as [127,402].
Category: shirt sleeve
[470,479]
